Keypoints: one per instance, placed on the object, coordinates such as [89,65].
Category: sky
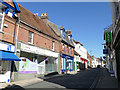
[86,20]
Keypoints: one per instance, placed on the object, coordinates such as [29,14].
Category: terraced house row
[32,46]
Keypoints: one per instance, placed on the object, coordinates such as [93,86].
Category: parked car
[98,66]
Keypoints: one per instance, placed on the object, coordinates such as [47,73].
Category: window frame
[30,37]
[67,49]
[2,14]
[53,45]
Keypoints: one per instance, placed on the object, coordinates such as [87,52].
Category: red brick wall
[8,32]
[39,39]
[66,50]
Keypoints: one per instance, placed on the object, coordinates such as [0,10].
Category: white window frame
[32,38]
[2,14]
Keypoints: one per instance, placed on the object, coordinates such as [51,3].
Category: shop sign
[108,36]
[27,66]
[36,50]
[7,47]
[105,51]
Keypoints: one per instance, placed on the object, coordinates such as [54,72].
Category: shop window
[1,19]
[30,37]
[53,45]
[63,48]
[4,66]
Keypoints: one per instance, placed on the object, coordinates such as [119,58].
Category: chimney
[36,14]
[68,32]
[44,17]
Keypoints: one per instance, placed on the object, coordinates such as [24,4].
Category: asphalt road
[83,79]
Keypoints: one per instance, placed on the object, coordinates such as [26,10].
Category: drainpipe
[17,34]
[15,31]
[17,20]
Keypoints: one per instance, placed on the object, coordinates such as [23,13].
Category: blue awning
[8,56]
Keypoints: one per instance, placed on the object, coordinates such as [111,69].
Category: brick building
[36,45]
[8,20]
[66,62]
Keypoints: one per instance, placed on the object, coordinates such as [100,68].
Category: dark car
[98,66]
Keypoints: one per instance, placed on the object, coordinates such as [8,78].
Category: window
[4,66]
[67,49]
[1,19]
[30,37]
[71,39]
[63,48]
[53,45]
[71,51]
[63,33]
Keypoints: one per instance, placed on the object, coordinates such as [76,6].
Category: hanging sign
[105,51]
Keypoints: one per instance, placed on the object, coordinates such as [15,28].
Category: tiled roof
[33,20]
[54,27]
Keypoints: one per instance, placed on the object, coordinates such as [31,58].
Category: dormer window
[70,38]
[63,33]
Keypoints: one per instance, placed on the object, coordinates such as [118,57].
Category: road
[83,79]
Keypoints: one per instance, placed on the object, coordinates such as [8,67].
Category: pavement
[104,81]
[26,82]
[21,83]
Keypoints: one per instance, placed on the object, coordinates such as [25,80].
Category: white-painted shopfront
[6,57]
[44,61]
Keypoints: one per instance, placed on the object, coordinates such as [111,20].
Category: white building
[83,55]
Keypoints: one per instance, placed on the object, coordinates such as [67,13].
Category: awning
[84,59]
[8,56]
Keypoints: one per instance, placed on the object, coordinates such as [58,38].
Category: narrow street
[83,79]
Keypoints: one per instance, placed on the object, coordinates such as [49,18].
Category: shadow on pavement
[10,87]
[63,80]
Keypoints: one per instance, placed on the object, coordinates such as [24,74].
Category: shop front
[7,57]
[67,63]
[39,61]
[84,63]
[76,63]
